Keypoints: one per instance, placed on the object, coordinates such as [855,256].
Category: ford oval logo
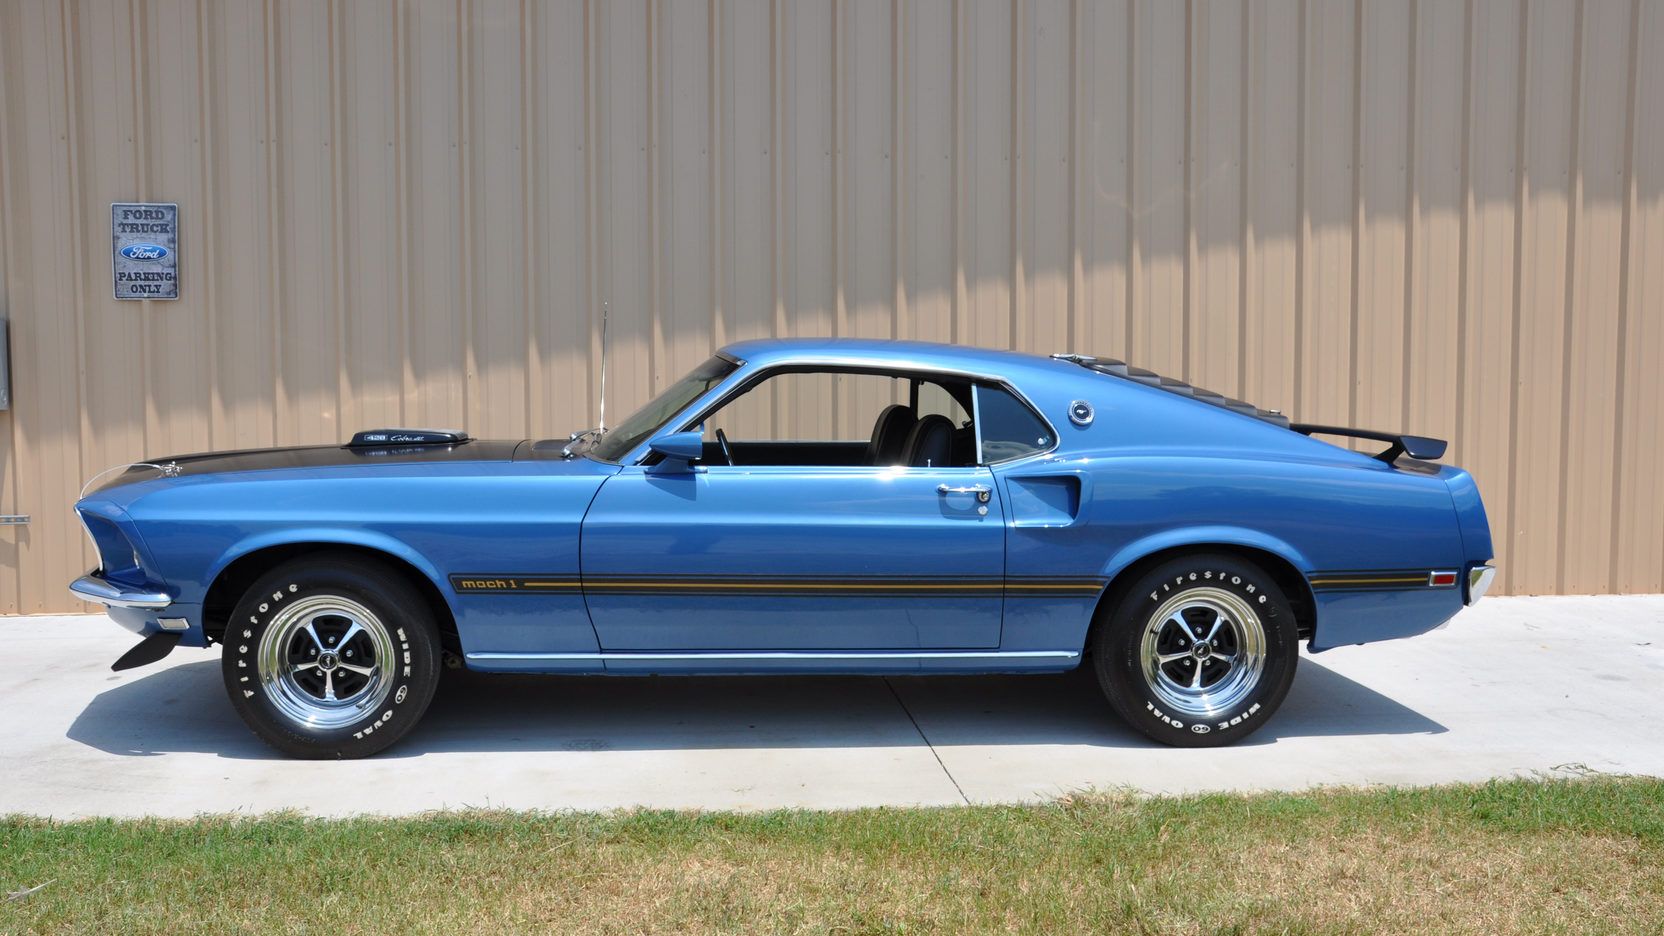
[146,253]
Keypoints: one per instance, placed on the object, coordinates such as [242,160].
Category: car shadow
[183,709]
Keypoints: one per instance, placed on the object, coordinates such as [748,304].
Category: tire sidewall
[1120,645]
[409,625]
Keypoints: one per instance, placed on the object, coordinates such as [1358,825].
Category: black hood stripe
[309,456]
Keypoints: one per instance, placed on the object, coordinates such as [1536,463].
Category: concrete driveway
[1513,686]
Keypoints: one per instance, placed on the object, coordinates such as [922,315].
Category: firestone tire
[331,657]
[1199,652]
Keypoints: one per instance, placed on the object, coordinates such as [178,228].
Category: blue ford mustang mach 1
[1006,513]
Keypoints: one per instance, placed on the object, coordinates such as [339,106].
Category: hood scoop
[381,438]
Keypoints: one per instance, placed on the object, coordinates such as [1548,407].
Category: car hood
[310,456]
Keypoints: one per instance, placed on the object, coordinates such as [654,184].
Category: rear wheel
[331,656]
[1199,652]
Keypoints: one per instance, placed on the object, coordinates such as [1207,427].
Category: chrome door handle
[982,491]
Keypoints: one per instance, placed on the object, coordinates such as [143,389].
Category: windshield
[645,421]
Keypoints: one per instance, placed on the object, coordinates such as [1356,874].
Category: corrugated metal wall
[1437,215]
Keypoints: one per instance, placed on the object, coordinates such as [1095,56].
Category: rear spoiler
[1418,447]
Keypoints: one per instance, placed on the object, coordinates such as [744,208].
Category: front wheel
[1199,652]
[331,657]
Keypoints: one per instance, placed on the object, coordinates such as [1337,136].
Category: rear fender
[1471,520]
[1202,536]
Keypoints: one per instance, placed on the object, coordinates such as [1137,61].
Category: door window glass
[798,406]
[844,418]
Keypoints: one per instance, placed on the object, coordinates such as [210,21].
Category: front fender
[328,536]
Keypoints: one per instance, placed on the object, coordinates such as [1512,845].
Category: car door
[803,558]
[795,558]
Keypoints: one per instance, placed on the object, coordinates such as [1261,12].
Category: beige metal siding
[1447,217]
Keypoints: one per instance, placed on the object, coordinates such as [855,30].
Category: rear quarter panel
[1161,471]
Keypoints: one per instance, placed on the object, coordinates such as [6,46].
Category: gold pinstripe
[804,586]
[1419,580]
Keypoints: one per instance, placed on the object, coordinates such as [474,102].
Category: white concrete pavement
[1514,686]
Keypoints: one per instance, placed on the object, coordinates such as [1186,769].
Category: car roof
[978,362]
[879,352]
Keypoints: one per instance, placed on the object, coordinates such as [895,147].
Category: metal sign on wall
[144,257]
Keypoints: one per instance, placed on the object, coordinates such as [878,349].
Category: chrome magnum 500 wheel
[331,657]
[326,661]
[1199,652]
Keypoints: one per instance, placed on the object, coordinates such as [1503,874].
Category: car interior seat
[889,435]
[930,443]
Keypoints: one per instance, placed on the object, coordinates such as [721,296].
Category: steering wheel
[722,440]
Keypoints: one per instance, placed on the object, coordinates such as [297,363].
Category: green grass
[1519,856]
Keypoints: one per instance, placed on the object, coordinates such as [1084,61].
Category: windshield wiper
[591,436]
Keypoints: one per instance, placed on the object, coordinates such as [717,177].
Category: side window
[799,406]
[935,398]
[845,418]
[1008,428]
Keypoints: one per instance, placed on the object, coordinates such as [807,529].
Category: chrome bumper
[91,587]
[1479,581]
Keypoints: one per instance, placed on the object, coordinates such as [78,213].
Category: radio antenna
[603,423]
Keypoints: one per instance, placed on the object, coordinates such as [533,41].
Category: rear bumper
[1479,581]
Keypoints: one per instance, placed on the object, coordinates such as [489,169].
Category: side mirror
[680,447]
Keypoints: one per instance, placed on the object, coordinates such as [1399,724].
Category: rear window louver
[1122,369]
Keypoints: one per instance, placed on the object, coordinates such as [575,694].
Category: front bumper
[143,609]
[138,610]
[94,587]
